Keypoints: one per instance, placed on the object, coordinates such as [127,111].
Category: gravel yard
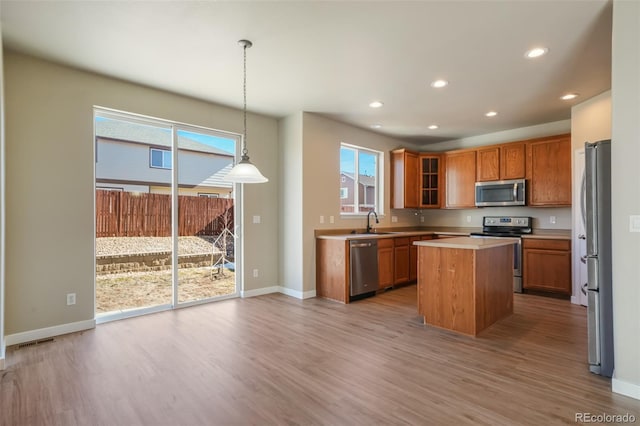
[120,291]
[127,245]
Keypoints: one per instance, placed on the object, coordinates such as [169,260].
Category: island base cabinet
[465,290]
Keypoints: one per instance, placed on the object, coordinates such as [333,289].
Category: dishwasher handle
[365,244]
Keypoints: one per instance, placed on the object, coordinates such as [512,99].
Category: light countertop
[343,234]
[467,243]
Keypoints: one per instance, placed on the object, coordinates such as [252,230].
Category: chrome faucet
[368,220]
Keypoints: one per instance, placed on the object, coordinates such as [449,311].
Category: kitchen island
[465,284]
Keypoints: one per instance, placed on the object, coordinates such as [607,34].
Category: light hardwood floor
[277,360]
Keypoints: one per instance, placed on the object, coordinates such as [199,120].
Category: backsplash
[542,217]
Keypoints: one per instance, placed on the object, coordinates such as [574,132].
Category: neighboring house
[366,192]
[137,158]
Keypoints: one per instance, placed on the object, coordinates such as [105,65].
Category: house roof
[363,179]
[150,135]
[217,179]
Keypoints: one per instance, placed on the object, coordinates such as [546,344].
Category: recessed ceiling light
[439,83]
[433,127]
[569,96]
[376,104]
[536,52]
[491,114]
[376,126]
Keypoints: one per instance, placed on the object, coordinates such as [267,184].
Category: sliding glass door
[206,243]
[165,218]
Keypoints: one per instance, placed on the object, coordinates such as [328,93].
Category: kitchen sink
[380,233]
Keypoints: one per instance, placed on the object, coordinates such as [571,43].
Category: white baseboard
[279,289]
[260,291]
[297,294]
[45,333]
[625,388]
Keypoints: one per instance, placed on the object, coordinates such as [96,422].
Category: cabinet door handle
[583,259]
[582,237]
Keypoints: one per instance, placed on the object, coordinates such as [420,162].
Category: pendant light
[244,171]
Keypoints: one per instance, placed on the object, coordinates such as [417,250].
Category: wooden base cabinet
[401,259]
[385,263]
[547,265]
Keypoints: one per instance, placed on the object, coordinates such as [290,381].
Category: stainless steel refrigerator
[597,210]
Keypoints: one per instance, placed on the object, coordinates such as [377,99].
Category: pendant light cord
[244,107]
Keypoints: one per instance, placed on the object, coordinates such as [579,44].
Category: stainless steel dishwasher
[364,267]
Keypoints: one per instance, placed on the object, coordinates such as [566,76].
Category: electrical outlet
[71,299]
[468,219]
[422,219]
[394,219]
[255,273]
[634,223]
[256,219]
[552,220]
[321,219]
[331,219]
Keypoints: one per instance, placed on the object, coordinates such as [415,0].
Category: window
[160,158]
[360,180]
[209,194]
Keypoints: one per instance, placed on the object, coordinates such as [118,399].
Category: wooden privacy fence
[129,214]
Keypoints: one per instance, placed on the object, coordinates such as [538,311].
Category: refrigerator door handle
[593,327]
[593,279]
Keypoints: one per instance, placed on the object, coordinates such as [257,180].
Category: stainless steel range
[512,227]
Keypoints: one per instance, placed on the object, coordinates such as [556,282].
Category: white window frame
[163,151]
[379,177]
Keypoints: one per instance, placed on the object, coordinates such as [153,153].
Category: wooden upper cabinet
[429,181]
[512,161]
[404,179]
[488,167]
[460,179]
[501,162]
[549,171]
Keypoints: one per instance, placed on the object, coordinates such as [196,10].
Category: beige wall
[512,135]
[49,136]
[591,120]
[321,182]
[291,204]
[625,93]
[2,207]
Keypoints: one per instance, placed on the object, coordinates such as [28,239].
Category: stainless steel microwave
[501,193]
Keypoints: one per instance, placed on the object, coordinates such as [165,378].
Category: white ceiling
[335,57]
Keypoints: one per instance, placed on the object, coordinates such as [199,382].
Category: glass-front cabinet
[430,180]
